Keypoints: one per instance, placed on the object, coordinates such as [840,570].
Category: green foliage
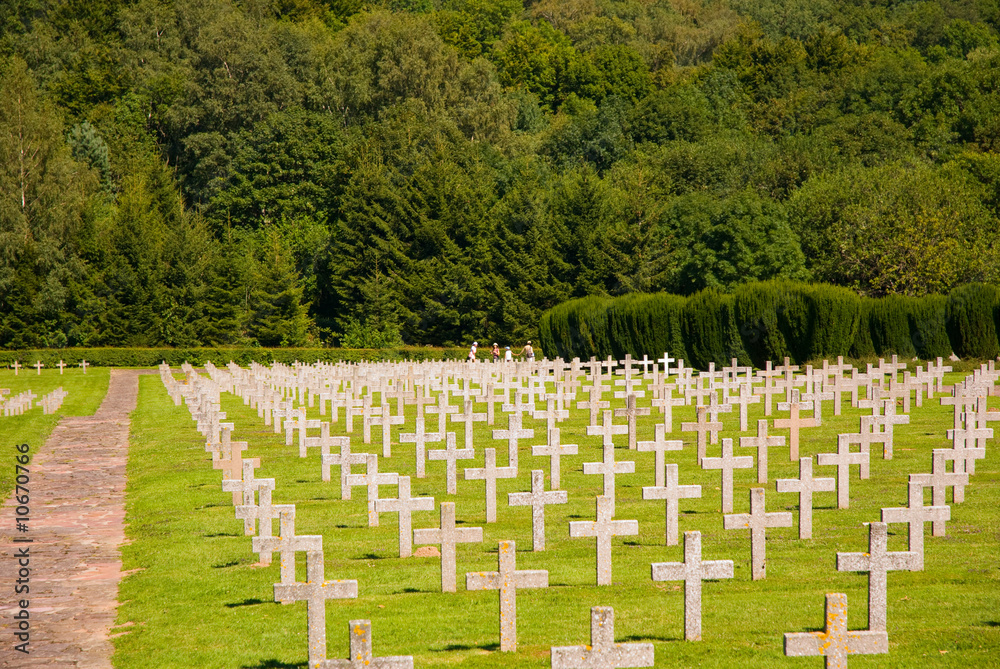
[929,326]
[710,329]
[775,320]
[640,324]
[972,312]
[837,319]
[889,322]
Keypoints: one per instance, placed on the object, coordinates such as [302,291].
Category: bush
[928,327]
[836,320]
[889,322]
[644,324]
[710,330]
[972,320]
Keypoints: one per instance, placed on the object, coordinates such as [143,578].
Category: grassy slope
[198,600]
[86,391]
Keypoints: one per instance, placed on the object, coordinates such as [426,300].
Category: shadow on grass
[225,565]
[462,646]
[370,556]
[246,602]
[276,664]
[221,534]
[992,623]
[645,637]
[410,591]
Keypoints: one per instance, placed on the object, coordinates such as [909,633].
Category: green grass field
[86,391]
[195,598]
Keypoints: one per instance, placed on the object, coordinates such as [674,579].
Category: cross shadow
[645,637]
[221,534]
[225,565]
[245,602]
[370,556]
[462,646]
[412,590]
[276,664]
[992,623]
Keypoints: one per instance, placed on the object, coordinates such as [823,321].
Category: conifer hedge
[771,320]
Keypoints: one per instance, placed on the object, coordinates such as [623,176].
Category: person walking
[472,351]
[496,352]
[528,352]
[508,355]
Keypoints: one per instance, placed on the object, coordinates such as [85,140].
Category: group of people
[527,352]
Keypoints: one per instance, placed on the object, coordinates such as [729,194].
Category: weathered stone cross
[671,491]
[404,505]
[835,642]
[727,463]
[877,562]
[447,536]
[758,520]
[537,499]
[603,652]
[490,473]
[805,485]
[603,529]
[554,450]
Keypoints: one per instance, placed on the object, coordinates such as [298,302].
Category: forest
[429,172]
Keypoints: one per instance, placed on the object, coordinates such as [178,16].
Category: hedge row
[151,357]
[773,320]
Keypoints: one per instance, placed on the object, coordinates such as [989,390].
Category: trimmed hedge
[772,320]
[152,357]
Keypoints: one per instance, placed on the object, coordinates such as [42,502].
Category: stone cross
[608,468]
[744,400]
[512,434]
[666,403]
[61,366]
[805,485]
[38,366]
[702,427]
[692,571]
[369,417]
[447,536]
[420,438]
[835,642]
[386,420]
[915,514]
[507,580]
[537,499]
[761,442]
[965,456]
[344,460]
[714,409]
[671,491]
[877,562]
[758,520]
[371,480]
[554,450]
[842,460]
[360,654]
[404,505]
[603,652]
[324,441]
[660,445]
[490,473]
[666,360]
[727,463]
[262,510]
[865,437]
[887,420]
[789,384]
[769,389]
[17,367]
[551,414]
[286,545]
[231,464]
[603,529]
[442,409]
[451,455]
[939,480]
[468,417]
[794,423]
[632,412]
[607,430]
[84,364]
[244,487]
[594,403]
[315,591]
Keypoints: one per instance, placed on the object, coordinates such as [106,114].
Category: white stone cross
[17,367]
[877,562]
[594,403]
[286,545]
[371,480]
[468,417]
[660,445]
[794,422]
[671,491]
[603,529]
[915,514]
[537,499]
[692,571]
[770,388]
[805,485]
[315,591]
[631,412]
[835,642]
[512,434]
[939,480]
[344,460]
[555,451]
[608,468]
[490,473]
[448,536]
[386,420]
[727,463]
[38,366]
[887,420]
[508,580]
[842,460]
[61,366]
[761,442]
[442,409]
[263,509]
[702,427]
[962,453]
[451,455]
[360,654]
[758,520]
[551,414]
[607,430]
[603,652]
[404,505]
[744,400]
[420,438]
[243,488]
[666,403]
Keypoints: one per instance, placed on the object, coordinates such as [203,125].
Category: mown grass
[197,599]
[86,391]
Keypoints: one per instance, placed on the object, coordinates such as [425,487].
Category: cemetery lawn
[86,391]
[193,596]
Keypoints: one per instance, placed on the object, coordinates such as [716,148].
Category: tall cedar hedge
[772,320]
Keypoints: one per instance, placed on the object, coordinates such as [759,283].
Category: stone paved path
[77,524]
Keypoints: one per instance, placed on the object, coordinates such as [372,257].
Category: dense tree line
[282,172]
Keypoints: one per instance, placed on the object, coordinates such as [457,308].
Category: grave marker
[758,520]
[761,442]
[603,652]
[555,451]
[490,473]
[727,463]
[451,455]
[660,445]
[805,485]
[692,571]
[360,654]
[371,480]
[877,562]
[537,499]
[404,505]
[835,642]
[507,580]
[842,460]
[672,492]
[602,530]
[915,514]
[448,536]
